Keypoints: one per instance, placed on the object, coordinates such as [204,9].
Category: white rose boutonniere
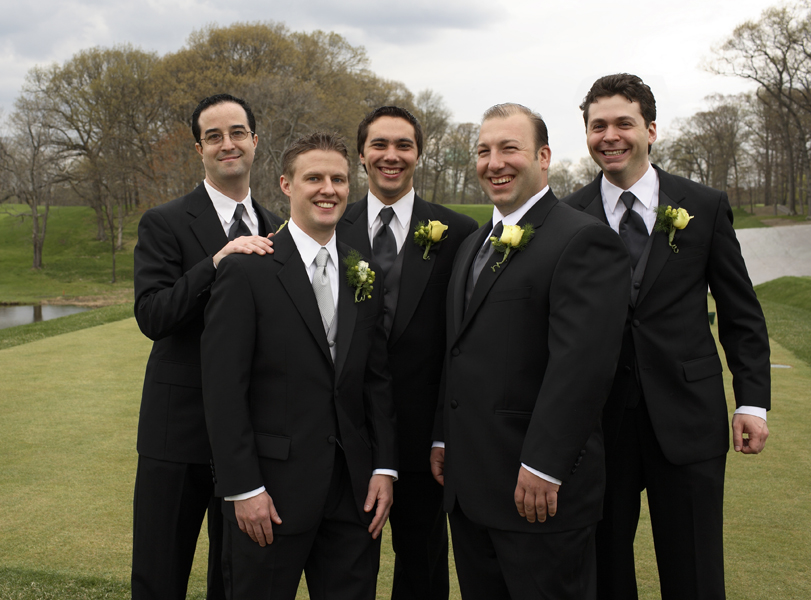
[512,238]
[668,220]
[427,235]
[359,276]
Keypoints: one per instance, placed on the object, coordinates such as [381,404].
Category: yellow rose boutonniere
[512,238]
[668,220]
[281,226]
[429,234]
[359,276]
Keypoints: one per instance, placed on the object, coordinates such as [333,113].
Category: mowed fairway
[69,407]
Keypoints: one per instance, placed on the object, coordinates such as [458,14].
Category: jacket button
[455,352]
[637,285]
[636,322]
[583,452]
[331,439]
[454,404]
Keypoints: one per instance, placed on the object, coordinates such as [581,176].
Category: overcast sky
[474,53]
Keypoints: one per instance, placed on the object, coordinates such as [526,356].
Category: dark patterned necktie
[238,227]
[484,254]
[632,229]
[384,248]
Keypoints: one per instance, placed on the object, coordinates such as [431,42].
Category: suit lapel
[293,276]
[467,253]
[660,251]
[347,313]
[206,225]
[355,229]
[416,272]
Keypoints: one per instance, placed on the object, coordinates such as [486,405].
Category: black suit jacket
[173,274]
[529,366]
[416,344]
[276,405]
[668,334]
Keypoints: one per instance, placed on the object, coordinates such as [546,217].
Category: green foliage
[75,263]
[744,220]
[786,303]
[24,584]
[481,212]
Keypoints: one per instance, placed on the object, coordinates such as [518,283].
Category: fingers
[737,434]
[755,430]
[438,465]
[535,498]
[246,244]
[381,515]
[255,517]
[380,491]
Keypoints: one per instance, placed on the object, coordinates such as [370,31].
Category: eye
[213,138]
[238,135]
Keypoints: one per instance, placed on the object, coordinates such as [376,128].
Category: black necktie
[384,248]
[484,254]
[632,229]
[238,227]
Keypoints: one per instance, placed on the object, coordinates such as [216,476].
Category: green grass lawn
[75,263]
[480,212]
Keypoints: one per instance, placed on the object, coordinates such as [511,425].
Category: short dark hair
[389,111]
[317,140]
[508,109]
[622,84]
[213,101]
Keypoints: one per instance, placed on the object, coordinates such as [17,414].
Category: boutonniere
[359,276]
[668,220]
[512,238]
[281,226]
[428,235]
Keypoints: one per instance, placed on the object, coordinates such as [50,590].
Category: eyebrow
[384,139]
[237,126]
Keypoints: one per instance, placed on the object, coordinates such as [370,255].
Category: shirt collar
[402,209]
[308,247]
[226,206]
[515,216]
[643,189]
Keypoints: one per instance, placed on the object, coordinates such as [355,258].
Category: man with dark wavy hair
[180,245]
[665,423]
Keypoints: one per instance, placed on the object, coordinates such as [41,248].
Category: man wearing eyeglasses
[180,244]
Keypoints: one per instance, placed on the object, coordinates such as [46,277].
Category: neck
[389,200]
[236,191]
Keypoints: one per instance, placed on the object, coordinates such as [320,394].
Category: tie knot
[498,230]
[321,258]
[627,199]
[386,215]
[238,211]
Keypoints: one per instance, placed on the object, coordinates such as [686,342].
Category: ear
[284,183]
[651,132]
[199,147]
[545,157]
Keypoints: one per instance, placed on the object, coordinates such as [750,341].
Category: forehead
[321,162]
[223,116]
[498,130]
[614,107]
[390,128]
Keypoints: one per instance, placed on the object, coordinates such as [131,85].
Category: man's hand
[756,430]
[535,497]
[381,489]
[246,244]
[254,517]
[438,464]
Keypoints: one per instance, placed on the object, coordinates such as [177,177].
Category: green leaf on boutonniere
[668,220]
[512,238]
[359,276]
[427,235]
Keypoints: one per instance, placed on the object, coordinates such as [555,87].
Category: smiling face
[618,139]
[390,157]
[227,164]
[318,187]
[510,170]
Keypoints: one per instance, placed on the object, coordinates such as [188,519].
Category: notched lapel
[347,314]
[293,276]
[355,230]
[206,225]
[416,272]
[659,253]
[459,282]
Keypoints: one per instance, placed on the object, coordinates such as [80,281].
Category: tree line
[110,127]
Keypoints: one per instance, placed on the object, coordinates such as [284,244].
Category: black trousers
[493,564]
[686,509]
[419,535]
[338,557]
[170,502]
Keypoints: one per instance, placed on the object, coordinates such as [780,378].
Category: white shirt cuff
[246,495]
[438,445]
[390,472]
[755,411]
[548,478]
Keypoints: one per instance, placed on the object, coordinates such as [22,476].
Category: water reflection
[11,316]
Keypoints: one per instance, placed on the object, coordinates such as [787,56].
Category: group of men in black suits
[549,362]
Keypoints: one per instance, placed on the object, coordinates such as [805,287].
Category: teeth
[498,180]
[613,152]
[324,204]
[390,171]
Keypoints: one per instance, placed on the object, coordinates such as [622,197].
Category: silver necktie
[322,289]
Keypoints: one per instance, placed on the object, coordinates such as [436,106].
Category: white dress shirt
[401,222]
[646,190]
[226,206]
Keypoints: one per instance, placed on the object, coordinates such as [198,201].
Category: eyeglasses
[238,135]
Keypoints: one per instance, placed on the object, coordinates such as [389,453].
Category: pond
[11,316]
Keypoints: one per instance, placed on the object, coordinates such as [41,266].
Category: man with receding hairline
[533,338]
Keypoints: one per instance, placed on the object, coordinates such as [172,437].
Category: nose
[495,163]
[327,189]
[391,154]
[611,133]
[226,141]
